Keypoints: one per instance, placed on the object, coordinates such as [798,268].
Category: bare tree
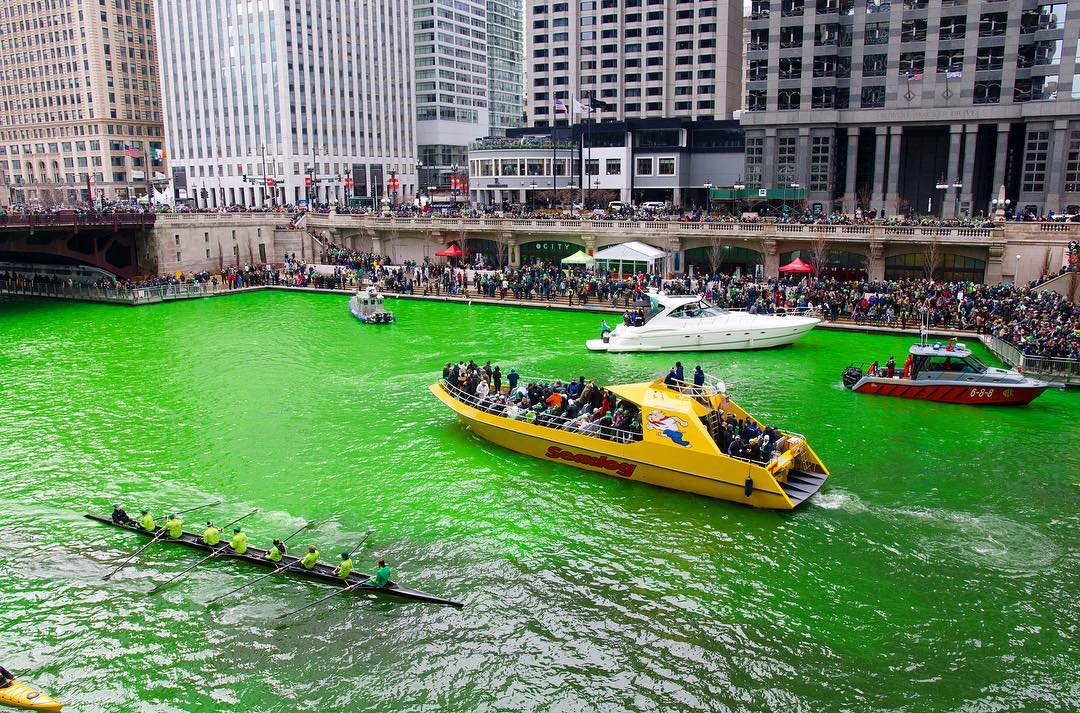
[931,258]
[819,251]
[863,197]
[714,253]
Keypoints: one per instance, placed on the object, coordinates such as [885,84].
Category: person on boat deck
[679,371]
[239,541]
[699,376]
[6,678]
[446,371]
[907,366]
[175,526]
[381,576]
[671,378]
[556,400]
[211,535]
[872,371]
[308,561]
[735,450]
[890,367]
[512,378]
[766,449]
[482,389]
[276,552]
[147,521]
[120,517]
[345,568]
[604,328]
[496,379]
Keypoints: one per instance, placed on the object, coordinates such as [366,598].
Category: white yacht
[690,324]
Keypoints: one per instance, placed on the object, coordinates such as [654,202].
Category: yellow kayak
[19,695]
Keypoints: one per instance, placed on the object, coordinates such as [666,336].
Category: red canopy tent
[797,265]
[451,251]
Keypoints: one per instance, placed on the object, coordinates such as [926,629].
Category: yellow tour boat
[675,446]
[19,695]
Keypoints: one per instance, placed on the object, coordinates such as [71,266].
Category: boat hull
[319,573]
[640,339]
[1007,395]
[714,477]
[19,695]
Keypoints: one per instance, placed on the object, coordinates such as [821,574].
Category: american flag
[132,151]
[914,76]
[560,106]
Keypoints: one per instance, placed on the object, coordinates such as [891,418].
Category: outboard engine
[851,376]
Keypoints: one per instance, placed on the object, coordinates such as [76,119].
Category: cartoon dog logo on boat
[670,426]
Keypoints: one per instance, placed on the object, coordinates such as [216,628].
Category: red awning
[452,251]
[797,265]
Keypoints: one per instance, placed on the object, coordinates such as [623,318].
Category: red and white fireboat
[947,373]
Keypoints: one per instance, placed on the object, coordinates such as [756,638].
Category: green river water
[937,570]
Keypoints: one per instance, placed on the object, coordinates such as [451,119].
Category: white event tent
[635,256]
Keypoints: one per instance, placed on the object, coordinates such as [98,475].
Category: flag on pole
[580,108]
[560,106]
[954,74]
[132,151]
[157,154]
[914,76]
[601,105]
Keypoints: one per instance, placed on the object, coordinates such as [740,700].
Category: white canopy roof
[632,251]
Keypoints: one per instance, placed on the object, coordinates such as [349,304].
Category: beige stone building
[79,97]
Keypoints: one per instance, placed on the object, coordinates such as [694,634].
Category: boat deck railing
[562,423]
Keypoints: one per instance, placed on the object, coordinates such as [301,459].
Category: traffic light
[245,178]
[307,181]
[269,182]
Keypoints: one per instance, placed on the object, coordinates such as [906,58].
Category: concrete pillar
[512,252]
[768,172]
[876,200]
[772,259]
[850,198]
[676,196]
[892,187]
[952,170]
[376,245]
[971,136]
[875,266]
[802,172]
[994,271]
[999,158]
[1055,180]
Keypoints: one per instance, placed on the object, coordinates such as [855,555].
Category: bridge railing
[130,296]
[73,219]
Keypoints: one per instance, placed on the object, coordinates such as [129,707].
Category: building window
[993,24]
[987,92]
[665,166]
[644,167]
[613,166]
[790,37]
[912,63]
[950,61]
[990,58]
[755,100]
[872,97]
[790,67]
[819,163]
[787,159]
[953,28]
[788,99]
[1035,154]
[874,65]
[759,70]
[877,33]
[755,153]
[1072,164]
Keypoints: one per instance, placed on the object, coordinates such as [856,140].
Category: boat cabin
[931,360]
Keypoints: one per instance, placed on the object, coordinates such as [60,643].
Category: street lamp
[1002,205]
[1016,271]
[532,196]
[738,186]
[708,195]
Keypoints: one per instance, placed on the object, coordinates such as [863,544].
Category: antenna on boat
[924,327]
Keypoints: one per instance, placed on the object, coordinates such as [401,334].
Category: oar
[262,577]
[213,554]
[338,592]
[323,599]
[156,538]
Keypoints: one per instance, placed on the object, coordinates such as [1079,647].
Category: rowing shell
[319,573]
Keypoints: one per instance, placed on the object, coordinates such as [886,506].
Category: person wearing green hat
[147,521]
[312,556]
[345,568]
[175,526]
[211,535]
[120,517]
[239,541]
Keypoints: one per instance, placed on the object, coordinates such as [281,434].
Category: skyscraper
[287,93]
[641,58]
[506,65]
[915,106]
[79,107]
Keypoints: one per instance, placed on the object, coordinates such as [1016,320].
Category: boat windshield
[698,310]
[967,365]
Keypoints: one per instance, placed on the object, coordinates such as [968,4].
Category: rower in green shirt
[275,553]
[310,558]
[175,526]
[381,576]
[147,521]
[239,541]
[345,568]
[211,535]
